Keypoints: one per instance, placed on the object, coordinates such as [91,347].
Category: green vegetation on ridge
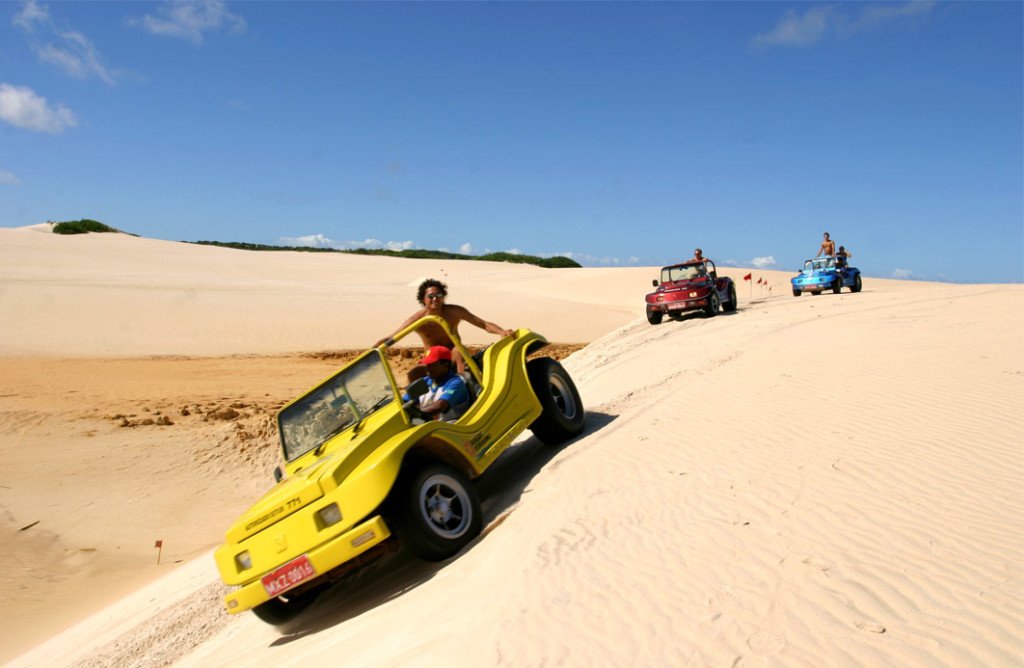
[557,262]
[81,227]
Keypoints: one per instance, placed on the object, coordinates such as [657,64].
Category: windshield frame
[681,272]
[819,264]
[336,405]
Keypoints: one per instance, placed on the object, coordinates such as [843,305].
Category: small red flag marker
[160,548]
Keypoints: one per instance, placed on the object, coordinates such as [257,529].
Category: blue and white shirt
[452,389]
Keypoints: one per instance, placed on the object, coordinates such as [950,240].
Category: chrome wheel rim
[445,507]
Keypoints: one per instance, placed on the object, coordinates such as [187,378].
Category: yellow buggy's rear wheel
[563,415]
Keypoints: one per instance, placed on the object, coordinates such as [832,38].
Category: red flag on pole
[747,277]
[759,280]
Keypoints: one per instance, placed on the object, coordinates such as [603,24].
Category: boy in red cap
[447,396]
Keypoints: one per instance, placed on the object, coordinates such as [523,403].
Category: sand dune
[831,480]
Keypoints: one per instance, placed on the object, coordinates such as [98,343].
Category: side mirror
[654,282]
[278,474]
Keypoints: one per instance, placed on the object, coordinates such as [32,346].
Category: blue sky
[615,133]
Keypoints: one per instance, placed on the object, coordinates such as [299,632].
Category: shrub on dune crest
[81,227]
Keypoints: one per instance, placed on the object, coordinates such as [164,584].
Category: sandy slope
[812,481]
[117,295]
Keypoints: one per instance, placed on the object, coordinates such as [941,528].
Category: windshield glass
[670,274]
[335,405]
[819,263]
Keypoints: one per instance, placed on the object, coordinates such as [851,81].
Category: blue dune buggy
[824,273]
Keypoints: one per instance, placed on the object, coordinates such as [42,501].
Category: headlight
[328,515]
[243,561]
[693,294]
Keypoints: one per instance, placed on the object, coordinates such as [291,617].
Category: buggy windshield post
[466,357]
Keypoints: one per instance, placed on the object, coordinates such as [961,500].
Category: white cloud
[322,241]
[763,261]
[68,50]
[77,57]
[594,261]
[190,20]
[795,30]
[467,249]
[879,14]
[6,178]
[904,274]
[21,107]
[818,23]
[310,240]
[31,13]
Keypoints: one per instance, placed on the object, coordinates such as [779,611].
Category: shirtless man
[828,247]
[698,256]
[431,294]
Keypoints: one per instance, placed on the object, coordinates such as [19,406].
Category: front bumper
[687,304]
[808,287]
[325,558]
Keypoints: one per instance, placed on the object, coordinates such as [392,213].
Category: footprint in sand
[765,642]
[871,627]
[822,565]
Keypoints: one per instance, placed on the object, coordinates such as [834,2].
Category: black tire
[730,305]
[437,512]
[280,610]
[837,285]
[857,285]
[712,307]
[797,293]
[562,413]
[654,317]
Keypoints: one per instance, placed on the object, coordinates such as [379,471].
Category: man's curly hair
[430,283]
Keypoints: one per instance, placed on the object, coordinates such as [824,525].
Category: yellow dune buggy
[364,472]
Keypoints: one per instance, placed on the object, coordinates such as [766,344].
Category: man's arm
[453,391]
[408,321]
[464,314]
[434,408]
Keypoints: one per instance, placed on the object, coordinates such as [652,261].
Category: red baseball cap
[436,354]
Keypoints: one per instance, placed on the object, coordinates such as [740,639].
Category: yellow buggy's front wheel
[282,609]
[438,512]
